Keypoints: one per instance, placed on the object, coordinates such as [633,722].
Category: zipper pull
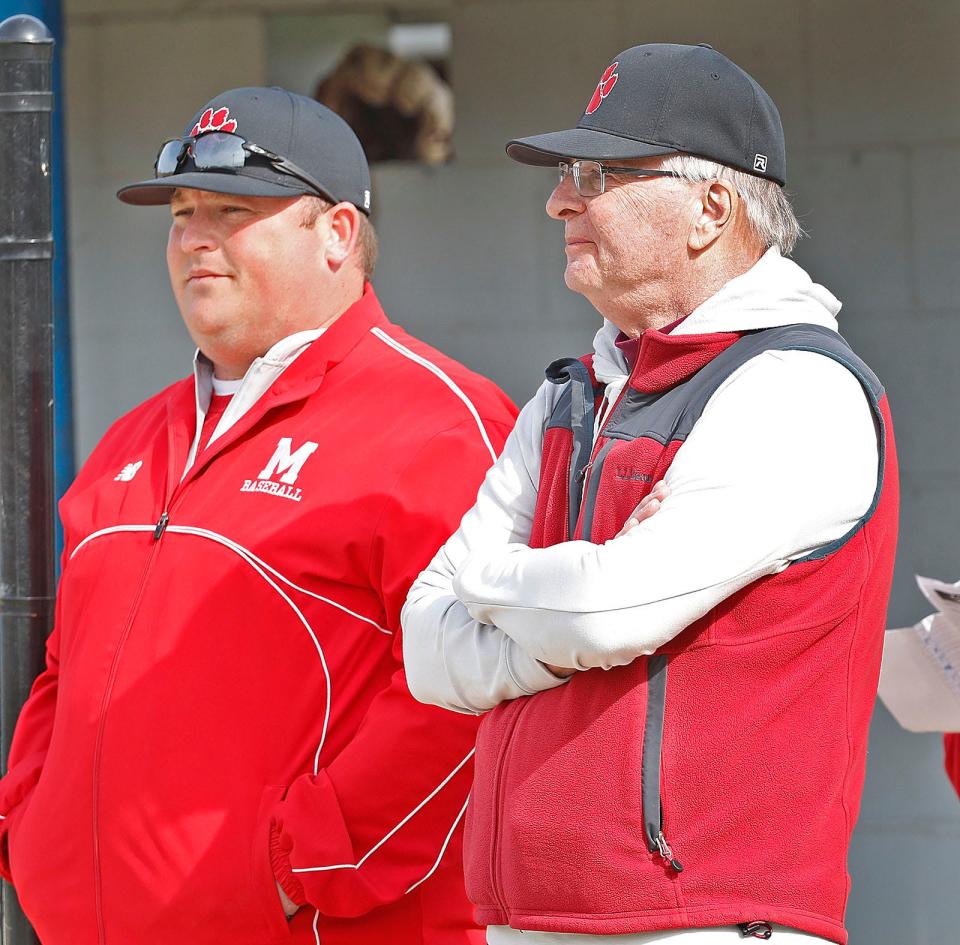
[582,475]
[756,930]
[161,525]
[663,848]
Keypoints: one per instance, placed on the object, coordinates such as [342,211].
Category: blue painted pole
[50,12]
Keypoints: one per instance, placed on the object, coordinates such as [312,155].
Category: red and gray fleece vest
[718,781]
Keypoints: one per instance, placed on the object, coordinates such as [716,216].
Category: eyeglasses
[222,151]
[590,177]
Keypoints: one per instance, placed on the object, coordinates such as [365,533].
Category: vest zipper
[657,665]
[585,477]
[666,851]
[762,930]
[591,488]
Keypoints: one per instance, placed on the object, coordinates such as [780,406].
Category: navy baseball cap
[664,98]
[294,127]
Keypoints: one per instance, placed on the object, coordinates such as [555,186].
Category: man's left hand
[290,908]
[647,508]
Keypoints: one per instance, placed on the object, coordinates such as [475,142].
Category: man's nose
[564,201]
[199,233]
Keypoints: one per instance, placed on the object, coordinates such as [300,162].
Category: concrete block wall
[130,82]
[869,91]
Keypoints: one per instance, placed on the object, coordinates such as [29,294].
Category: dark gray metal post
[26,380]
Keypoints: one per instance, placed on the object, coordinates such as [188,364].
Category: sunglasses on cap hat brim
[222,162]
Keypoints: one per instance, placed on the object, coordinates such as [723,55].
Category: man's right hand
[647,508]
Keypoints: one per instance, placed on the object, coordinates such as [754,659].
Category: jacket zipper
[161,526]
[172,489]
[102,721]
[498,807]
[651,763]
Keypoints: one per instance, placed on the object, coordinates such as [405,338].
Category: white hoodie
[783,460]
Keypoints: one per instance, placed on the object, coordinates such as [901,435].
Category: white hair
[767,204]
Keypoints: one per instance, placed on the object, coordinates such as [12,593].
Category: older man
[678,705]
[223,732]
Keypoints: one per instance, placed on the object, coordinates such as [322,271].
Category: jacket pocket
[11,825]
[264,882]
[195,871]
[571,830]
[652,763]
[50,845]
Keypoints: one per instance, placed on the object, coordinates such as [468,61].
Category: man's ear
[341,231]
[713,213]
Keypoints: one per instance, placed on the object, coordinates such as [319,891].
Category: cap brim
[160,190]
[545,150]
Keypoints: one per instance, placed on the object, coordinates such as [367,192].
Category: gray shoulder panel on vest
[574,411]
[671,415]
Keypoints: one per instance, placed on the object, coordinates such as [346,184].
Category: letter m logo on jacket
[285,463]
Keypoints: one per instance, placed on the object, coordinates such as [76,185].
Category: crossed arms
[783,460]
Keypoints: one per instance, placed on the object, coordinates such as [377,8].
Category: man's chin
[578,278]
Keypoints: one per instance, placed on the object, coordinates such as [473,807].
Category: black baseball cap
[300,129]
[664,98]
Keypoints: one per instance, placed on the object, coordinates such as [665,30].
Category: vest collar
[659,360]
[773,292]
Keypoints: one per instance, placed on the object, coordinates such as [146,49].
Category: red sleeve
[379,818]
[28,750]
[952,760]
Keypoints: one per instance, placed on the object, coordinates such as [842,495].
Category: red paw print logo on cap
[211,120]
[604,87]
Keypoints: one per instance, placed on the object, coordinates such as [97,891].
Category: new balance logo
[284,464]
[128,472]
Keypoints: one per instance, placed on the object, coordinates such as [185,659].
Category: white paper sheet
[920,675]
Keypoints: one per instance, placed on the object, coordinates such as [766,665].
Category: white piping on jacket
[215,536]
[383,840]
[433,369]
[111,530]
[443,847]
[273,571]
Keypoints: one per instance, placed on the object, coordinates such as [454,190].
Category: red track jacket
[223,704]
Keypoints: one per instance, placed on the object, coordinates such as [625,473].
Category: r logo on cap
[604,87]
[760,162]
